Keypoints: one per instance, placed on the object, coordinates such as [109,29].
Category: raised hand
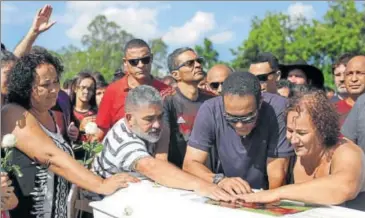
[41,21]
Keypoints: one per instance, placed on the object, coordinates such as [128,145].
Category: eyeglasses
[144,60]
[245,119]
[264,77]
[215,85]
[190,63]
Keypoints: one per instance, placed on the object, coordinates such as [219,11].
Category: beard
[151,136]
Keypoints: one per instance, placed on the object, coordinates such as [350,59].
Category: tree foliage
[103,50]
[209,54]
[318,42]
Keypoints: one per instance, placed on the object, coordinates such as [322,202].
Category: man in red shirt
[355,85]
[137,63]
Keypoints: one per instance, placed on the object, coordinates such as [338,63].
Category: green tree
[159,51]
[103,50]
[318,42]
[208,52]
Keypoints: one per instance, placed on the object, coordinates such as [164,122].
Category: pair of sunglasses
[245,120]
[144,60]
[215,85]
[190,63]
[264,77]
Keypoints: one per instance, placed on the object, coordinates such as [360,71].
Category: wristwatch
[218,177]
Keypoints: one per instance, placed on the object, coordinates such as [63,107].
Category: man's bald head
[355,75]
[216,76]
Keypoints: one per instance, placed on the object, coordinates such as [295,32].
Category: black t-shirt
[179,115]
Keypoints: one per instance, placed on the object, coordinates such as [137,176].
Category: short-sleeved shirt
[354,126]
[343,108]
[244,157]
[122,149]
[179,115]
[112,105]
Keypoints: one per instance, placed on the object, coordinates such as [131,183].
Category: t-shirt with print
[179,115]
[354,126]
[122,149]
[244,157]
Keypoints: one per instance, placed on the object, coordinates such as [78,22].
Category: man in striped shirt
[129,146]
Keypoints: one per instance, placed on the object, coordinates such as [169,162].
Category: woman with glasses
[326,169]
[84,106]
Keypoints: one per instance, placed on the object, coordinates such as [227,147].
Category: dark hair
[22,76]
[135,43]
[38,49]
[119,73]
[322,112]
[67,84]
[7,57]
[76,81]
[298,89]
[172,63]
[342,60]
[242,83]
[267,57]
[100,80]
[283,83]
[3,47]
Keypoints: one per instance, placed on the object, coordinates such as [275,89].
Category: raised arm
[40,24]
[34,142]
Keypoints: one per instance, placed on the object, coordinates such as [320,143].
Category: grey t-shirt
[243,157]
[354,126]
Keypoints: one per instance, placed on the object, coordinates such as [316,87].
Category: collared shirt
[112,105]
[244,157]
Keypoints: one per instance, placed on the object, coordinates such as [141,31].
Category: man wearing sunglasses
[137,65]
[216,76]
[266,69]
[181,108]
[245,135]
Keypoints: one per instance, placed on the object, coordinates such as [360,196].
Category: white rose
[9,141]
[91,128]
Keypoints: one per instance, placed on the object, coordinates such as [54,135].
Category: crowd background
[235,105]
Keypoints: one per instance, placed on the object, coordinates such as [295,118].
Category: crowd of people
[221,133]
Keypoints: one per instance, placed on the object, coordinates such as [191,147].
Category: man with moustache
[338,70]
[247,135]
[355,85]
[130,146]
[181,108]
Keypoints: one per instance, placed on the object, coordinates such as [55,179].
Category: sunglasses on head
[264,77]
[245,119]
[144,60]
[190,63]
[215,85]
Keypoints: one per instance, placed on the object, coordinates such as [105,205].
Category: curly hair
[23,74]
[323,114]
